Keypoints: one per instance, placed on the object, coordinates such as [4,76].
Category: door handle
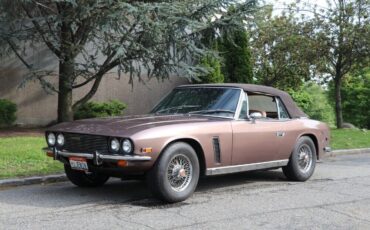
[280,133]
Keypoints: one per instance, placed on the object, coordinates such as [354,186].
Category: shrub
[313,100]
[356,98]
[7,112]
[100,109]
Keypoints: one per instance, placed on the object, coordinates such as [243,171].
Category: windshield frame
[237,109]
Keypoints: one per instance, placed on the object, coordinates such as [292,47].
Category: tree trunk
[65,112]
[66,73]
[338,102]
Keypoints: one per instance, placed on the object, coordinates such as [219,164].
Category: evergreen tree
[91,38]
[237,56]
[213,64]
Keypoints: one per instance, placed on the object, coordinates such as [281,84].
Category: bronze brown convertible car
[195,130]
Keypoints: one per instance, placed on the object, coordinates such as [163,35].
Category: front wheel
[175,175]
[302,162]
[83,179]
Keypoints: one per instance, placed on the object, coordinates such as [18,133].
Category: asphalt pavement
[336,197]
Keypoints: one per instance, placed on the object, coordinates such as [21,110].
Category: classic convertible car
[196,130]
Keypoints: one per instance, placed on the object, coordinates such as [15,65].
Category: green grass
[22,156]
[349,139]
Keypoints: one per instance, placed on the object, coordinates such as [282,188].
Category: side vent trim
[216,149]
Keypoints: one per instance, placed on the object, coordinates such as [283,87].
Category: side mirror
[255,115]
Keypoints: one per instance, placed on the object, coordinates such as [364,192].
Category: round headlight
[51,139]
[60,139]
[126,146]
[114,145]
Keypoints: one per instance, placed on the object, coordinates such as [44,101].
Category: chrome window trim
[205,87]
[278,107]
[278,101]
[240,103]
[245,97]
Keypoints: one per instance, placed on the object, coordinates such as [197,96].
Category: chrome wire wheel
[179,172]
[305,158]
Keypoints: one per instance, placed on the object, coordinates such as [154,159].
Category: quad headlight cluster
[115,145]
[124,145]
[55,139]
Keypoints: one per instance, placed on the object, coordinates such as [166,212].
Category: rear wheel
[175,175]
[302,162]
[83,179]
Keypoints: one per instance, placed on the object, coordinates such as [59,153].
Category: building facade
[36,107]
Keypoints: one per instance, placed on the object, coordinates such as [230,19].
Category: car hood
[126,126]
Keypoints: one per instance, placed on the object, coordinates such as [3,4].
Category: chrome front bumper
[97,158]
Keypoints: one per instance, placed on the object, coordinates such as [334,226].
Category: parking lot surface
[336,197]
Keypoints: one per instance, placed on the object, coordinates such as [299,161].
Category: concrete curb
[346,152]
[32,180]
[12,182]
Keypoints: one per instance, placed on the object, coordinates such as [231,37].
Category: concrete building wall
[36,107]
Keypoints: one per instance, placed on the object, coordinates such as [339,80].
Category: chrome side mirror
[255,115]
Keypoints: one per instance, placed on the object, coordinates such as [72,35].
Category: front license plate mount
[78,163]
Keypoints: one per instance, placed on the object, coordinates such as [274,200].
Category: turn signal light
[146,150]
[122,163]
[49,154]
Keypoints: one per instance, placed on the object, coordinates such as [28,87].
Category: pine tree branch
[41,32]
[14,49]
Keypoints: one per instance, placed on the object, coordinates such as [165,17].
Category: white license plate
[78,163]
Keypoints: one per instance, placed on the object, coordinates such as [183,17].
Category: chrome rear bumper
[97,157]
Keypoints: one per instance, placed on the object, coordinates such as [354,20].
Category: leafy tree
[277,44]
[313,100]
[341,34]
[356,98]
[91,38]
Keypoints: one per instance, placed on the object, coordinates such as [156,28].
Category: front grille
[84,143]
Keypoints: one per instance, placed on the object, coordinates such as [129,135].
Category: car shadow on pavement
[117,192]
[229,180]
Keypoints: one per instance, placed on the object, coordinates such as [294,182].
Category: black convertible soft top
[293,110]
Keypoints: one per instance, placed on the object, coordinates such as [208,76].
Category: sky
[279,4]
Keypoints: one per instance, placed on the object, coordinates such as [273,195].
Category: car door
[257,139]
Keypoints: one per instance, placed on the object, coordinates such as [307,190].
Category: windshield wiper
[212,111]
[177,108]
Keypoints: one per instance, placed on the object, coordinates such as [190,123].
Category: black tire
[83,179]
[294,170]
[157,177]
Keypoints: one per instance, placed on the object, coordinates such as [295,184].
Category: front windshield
[206,101]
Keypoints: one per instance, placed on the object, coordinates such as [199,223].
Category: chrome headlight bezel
[60,139]
[127,146]
[114,145]
[51,139]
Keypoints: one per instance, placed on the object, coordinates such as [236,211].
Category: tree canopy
[91,38]
[340,37]
[356,98]
[278,45]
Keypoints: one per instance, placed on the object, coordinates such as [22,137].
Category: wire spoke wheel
[302,161]
[305,158]
[179,172]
